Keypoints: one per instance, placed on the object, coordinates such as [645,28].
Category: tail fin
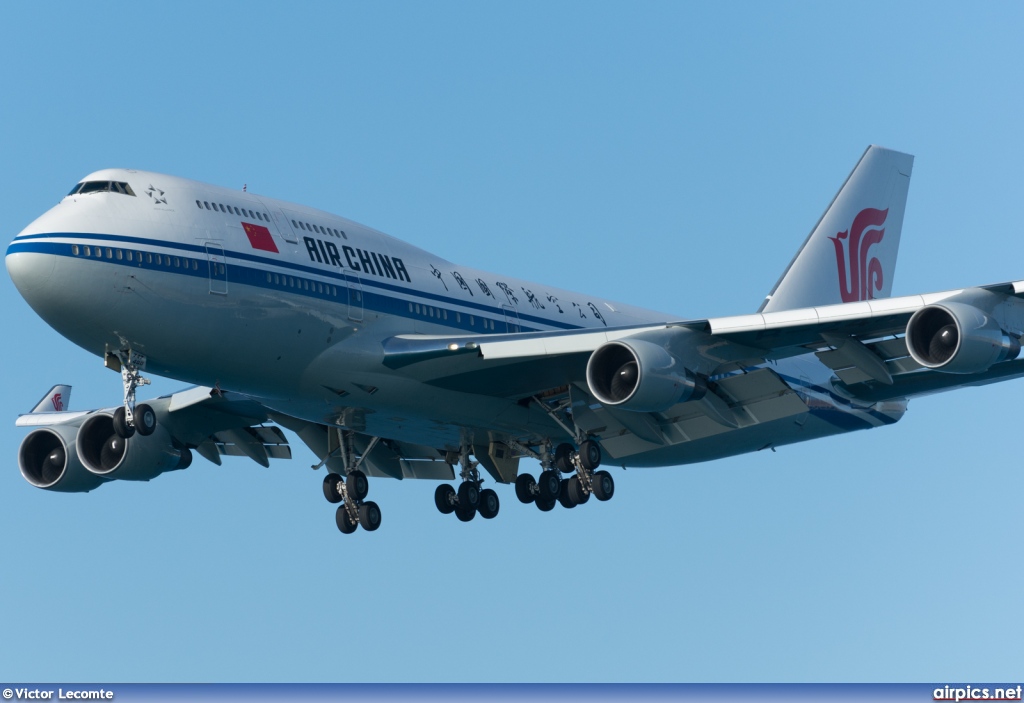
[851,253]
[56,400]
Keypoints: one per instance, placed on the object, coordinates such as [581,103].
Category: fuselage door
[280,221]
[218,268]
[511,319]
[355,296]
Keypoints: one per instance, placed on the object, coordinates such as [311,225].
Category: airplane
[392,362]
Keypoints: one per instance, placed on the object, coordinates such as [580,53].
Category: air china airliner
[391,362]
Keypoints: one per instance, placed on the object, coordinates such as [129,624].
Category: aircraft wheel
[604,485]
[346,526]
[563,494]
[444,498]
[590,455]
[489,504]
[524,488]
[545,505]
[575,491]
[331,492]
[121,428]
[563,458]
[549,485]
[465,514]
[358,485]
[469,495]
[369,516]
[145,420]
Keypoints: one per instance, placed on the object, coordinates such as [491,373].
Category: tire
[185,460]
[444,498]
[545,505]
[121,428]
[563,458]
[331,492]
[358,485]
[489,504]
[344,524]
[525,483]
[563,494]
[145,420]
[469,495]
[604,485]
[464,514]
[369,516]
[575,490]
[590,455]
[549,485]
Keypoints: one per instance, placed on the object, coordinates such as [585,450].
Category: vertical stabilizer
[55,401]
[851,253]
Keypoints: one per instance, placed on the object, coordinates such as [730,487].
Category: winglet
[850,254]
[56,400]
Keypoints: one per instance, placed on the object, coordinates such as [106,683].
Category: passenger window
[410,306]
[177,262]
[110,253]
[74,249]
[128,254]
[206,204]
[120,255]
[295,224]
[199,204]
[195,265]
[220,269]
[222,208]
[277,280]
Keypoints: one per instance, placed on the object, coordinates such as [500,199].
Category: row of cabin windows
[186,263]
[102,187]
[129,255]
[229,209]
[442,314]
[302,284]
[327,231]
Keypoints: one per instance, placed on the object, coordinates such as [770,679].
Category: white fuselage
[291,305]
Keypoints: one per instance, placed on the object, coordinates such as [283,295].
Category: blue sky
[670,155]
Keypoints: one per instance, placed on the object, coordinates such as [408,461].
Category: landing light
[453,347]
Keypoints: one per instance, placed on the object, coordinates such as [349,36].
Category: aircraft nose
[29,270]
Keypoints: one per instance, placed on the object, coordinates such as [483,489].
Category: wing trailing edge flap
[750,398]
[220,423]
[382,459]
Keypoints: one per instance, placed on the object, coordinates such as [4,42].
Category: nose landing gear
[130,418]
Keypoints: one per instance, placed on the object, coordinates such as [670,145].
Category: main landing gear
[130,418]
[469,499]
[351,490]
[549,488]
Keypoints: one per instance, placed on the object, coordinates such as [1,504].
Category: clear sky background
[670,155]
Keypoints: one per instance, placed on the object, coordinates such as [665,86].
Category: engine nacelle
[49,460]
[105,454]
[635,374]
[958,338]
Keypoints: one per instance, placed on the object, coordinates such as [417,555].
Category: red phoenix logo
[58,404]
[861,278]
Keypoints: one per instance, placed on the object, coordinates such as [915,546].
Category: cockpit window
[102,187]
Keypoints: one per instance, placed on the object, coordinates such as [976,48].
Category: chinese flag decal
[259,237]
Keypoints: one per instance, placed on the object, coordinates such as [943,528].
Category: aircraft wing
[863,342]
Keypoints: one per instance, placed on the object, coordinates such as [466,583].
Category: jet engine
[140,458]
[635,374]
[48,459]
[958,338]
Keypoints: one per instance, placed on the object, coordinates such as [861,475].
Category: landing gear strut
[469,499]
[574,490]
[351,490]
[129,417]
